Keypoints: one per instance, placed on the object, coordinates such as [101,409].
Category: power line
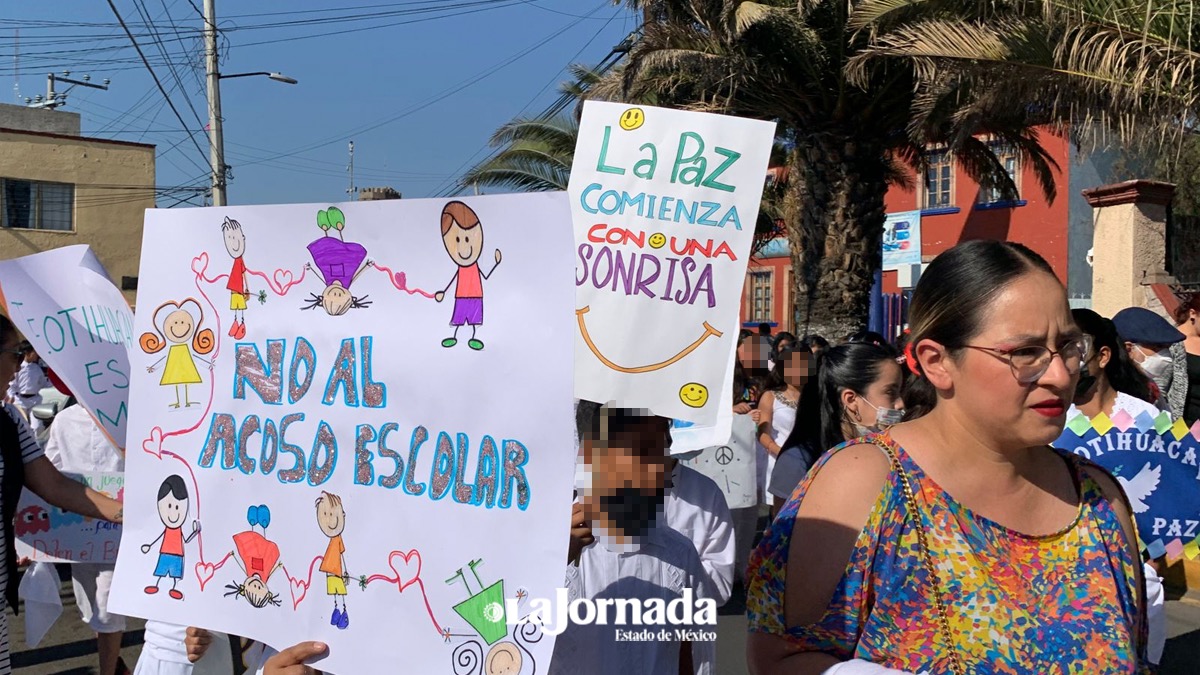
[155,76]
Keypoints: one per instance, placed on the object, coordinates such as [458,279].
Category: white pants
[92,582]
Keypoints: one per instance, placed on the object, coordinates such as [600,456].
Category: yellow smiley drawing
[693,395]
[632,119]
[658,240]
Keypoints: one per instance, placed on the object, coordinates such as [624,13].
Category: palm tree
[859,86]
[535,155]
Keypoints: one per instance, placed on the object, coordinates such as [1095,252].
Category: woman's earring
[857,417]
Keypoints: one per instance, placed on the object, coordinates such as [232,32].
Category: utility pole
[216,138]
[352,191]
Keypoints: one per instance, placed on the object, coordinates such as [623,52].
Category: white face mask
[1157,365]
[884,418]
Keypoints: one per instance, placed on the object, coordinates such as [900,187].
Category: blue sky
[502,56]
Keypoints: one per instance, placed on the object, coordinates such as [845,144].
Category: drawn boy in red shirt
[239,286]
[462,235]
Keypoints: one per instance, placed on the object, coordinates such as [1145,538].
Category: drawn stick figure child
[331,518]
[239,283]
[173,511]
[339,263]
[462,234]
[258,557]
[179,324]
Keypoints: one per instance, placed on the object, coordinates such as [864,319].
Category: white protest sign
[333,440]
[47,533]
[664,204]
[731,465]
[63,302]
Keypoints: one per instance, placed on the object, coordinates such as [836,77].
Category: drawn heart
[283,279]
[411,565]
[200,264]
[401,281]
[153,445]
[205,572]
[300,587]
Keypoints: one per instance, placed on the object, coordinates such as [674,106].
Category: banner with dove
[1157,462]
[330,439]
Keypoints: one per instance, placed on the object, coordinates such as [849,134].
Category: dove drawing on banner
[1141,487]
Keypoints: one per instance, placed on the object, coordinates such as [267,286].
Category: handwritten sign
[64,303]
[47,533]
[1157,462]
[731,465]
[353,423]
[664,204]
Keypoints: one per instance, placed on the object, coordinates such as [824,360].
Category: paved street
[69,649]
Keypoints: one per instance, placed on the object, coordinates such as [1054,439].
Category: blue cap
[1141,326]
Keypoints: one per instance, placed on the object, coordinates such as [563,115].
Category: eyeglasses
[1029,364]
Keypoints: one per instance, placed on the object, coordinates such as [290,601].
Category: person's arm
[1120,506]
[49,484]
[441,295]
[766,409]
[831,516]
[720,548]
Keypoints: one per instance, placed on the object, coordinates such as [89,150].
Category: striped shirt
[30,450]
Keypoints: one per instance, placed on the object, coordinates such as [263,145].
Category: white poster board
[731,465]
[47,533]
[335,442]
[664,204]
[63,302]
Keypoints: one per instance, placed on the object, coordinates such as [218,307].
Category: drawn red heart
[200,264]
[153,445]
[205,572]
[297,586]
[411,564]
[283,279]
[401,281]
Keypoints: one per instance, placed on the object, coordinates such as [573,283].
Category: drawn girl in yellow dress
[179,324]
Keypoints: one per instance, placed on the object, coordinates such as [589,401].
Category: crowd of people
[917,518]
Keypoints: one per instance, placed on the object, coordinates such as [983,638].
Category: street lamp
[278,77]
[216,132]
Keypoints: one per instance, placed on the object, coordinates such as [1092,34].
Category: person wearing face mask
[1109,382]
[860,392]
[629,551]
[1148,338]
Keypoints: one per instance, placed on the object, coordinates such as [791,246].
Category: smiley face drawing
[632,118]
[693,395]
[657,240]
[503,659]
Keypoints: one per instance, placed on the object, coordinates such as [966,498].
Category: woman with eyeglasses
[959,541]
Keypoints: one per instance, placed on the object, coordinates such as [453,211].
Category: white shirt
[77,444]
[1132,405]
[165,653]
[696,508]
[665,564]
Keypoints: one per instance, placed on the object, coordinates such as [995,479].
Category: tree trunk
[835,226]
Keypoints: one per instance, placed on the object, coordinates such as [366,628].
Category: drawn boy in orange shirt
[331,518]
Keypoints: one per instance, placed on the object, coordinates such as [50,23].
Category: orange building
[953,208]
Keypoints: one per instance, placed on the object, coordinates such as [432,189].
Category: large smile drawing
[709,331]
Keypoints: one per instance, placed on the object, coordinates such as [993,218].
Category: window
[939,180]
[1011,163]
[33,205]
[760,297]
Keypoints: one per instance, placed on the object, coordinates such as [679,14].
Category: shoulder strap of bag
[910,507]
